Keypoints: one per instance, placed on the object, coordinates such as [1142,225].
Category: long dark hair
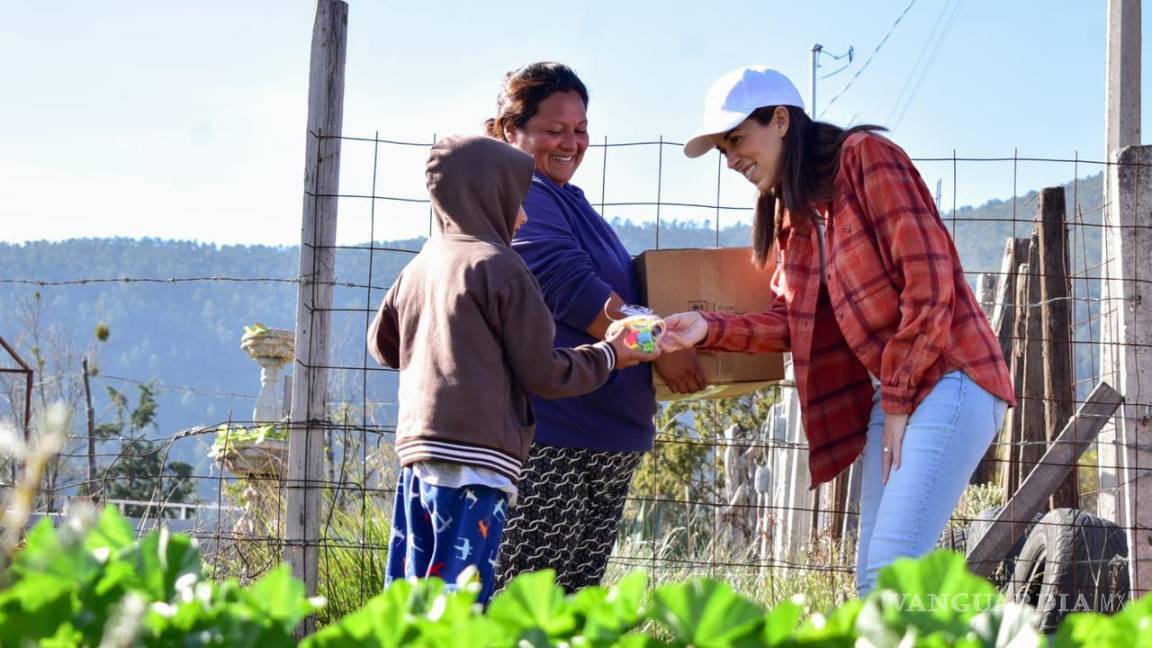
[525,88]
[808,167]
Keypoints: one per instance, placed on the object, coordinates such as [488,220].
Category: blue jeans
[946,437]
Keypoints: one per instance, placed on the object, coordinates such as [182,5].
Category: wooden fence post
[89,488]
[1002,317]
[1056,320]
[986,292]
[790,495]
[314,295]
[1033,440]
[1015,359]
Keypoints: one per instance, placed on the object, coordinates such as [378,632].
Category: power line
[870,57]
[931,59]
[919,59]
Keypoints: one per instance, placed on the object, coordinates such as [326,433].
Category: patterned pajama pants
[568,514]
[438,531]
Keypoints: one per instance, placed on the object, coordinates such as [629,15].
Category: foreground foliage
[100,585]
[93,583]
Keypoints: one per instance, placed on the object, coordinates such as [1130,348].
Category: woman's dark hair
[525,88]
[810,162]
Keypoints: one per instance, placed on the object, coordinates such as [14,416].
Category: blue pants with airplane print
[439,531]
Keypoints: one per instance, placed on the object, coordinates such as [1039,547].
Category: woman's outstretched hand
[685,331]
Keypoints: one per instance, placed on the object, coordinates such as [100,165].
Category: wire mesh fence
[724,492]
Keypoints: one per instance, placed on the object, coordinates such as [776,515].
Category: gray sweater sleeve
[539,368]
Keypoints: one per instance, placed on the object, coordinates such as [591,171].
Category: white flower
[124,624]
[438,607]
[186,587]
[204,593]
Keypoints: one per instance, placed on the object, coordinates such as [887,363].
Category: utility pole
[816,49]
[1125,483]
[1123,76]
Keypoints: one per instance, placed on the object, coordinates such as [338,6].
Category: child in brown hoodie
[467,327]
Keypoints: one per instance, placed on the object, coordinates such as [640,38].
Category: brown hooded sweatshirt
[466,325]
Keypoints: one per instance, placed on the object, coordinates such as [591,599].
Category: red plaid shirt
[894,304]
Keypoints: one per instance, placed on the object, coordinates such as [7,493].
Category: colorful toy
[643,328]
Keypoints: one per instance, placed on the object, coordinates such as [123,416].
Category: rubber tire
[976,530]
[1071,562]
[953,538]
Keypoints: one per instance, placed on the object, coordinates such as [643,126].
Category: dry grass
[825,576]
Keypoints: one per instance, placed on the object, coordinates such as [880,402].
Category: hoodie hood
[477,186]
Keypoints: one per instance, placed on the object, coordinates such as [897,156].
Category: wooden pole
[796,502]
[986,292]
[314,297]
[1052,468]
[1002,318]
[852,501]
[1013,423]
[1056,321]
[1032,437]
[838,504]
[90,484]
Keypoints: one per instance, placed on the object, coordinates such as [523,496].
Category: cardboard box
[712,279]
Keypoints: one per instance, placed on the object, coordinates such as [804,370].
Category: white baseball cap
[736,95]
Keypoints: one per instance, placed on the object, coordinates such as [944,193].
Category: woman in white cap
[893,356]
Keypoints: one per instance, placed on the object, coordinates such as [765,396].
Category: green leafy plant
[956,608]
[255,329]
[936,601]
[92,582]
[1129,627]
[231,436]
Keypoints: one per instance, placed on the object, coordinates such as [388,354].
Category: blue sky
[186,120]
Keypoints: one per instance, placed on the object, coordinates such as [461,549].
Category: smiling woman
[579,469]
[556,136]
[894,359]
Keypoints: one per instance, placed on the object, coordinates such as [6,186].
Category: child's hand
[626,356]
[685,331]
